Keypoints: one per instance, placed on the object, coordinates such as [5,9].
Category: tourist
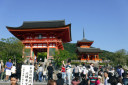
[106,78]
[119,81]
[91,67]
[35,72]
[44,75]
[76,71]
[18,70]
[13,69]
[121,71]
[75,81]
[93,78]
[68,73]
[50,71]
[63,71]
[13,79]
[99,81]
[112,71]
[63,63]
[84,70]
[0,68]
[51,82]
[84,80]
[100,73]
[125,80]
[80,69]
[60,80]
[8,67]
[40,73]
[112,81]
[2,73]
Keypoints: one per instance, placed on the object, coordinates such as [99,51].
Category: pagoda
[86,52]
[42,36]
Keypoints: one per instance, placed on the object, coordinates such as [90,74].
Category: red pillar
[88,56]
[47,52]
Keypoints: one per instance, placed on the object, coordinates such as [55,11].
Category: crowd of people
[90,75]
[69,74]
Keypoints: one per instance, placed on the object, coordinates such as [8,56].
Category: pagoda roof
[89,50]
[41,24]
[55,26]
[84,40]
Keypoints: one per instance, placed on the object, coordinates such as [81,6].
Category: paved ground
[37,83]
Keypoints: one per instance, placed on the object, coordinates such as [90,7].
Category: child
[44,75]
[13,79]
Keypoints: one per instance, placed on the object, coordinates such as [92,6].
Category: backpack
[76,70]
[84,71]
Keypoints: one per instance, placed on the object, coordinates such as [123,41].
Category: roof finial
[83,34]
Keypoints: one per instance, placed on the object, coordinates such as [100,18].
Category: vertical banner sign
[27,75]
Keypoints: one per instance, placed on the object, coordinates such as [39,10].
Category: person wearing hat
[40,72]
[93,78]
[98,82]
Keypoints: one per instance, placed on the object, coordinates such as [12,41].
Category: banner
[27,72]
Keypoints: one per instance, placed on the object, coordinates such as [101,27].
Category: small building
[42,36]
[86,52]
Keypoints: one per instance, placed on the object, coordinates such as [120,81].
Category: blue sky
[104,21]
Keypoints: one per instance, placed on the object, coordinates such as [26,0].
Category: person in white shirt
[91,67]
[112,71]
[106,78]
[84,70]
[80,69]
[13,69]
[44,75]
[68,73]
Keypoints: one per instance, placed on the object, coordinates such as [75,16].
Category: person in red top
[63,70]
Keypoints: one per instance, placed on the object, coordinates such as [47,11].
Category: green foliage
[11,48]
[41,55]
[74,63]
[61,55]
[71,48]
[118,57]
[121,57]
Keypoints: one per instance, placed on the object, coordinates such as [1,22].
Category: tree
[61,55]
[41,55]
[11,48]
[121,57]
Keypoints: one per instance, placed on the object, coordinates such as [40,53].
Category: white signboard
[27,75]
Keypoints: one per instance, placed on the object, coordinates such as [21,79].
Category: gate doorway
[40,54]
